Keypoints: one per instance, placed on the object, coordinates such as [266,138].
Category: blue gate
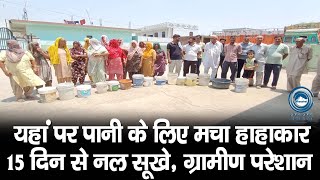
[5,34]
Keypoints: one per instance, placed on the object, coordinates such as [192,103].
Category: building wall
[153,31]
[48,33]
[185,32]
[162,41]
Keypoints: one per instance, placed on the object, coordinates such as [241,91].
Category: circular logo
[300,99]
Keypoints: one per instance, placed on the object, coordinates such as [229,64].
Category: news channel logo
[301,101]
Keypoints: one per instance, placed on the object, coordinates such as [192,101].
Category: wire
[63,13]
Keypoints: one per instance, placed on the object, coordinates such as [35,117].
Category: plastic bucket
[221,83]
[172,78]
[204,79]
[125,84]
[241,85]
[113,85]
[191,79]
[181,81]
[138,80]
[102,87]
[160,80]
[83,91]
[148,81]
[66,91]
[47,94]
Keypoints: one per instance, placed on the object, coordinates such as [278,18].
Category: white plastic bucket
[83,91]
[102,87]
[204,79]
[241,85]
[148,81]
[160,80]
[191,79]
[66,91]
[138,80]
[172,78]
[113,85]
[181,81]
[47,94]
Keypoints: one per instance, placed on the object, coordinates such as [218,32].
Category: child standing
[249,67]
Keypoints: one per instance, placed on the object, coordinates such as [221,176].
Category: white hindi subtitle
[164,133]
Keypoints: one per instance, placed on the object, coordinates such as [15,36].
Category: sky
[208,15]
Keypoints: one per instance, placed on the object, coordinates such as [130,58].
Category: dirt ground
[179,104]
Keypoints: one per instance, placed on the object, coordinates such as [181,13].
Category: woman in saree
[134,58]
[42,62]
[96,65]
[161,62]
[61,60]
[79,65]
[115,61]
[20,66]
[147,60]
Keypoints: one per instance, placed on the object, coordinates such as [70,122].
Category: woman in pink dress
[115,60]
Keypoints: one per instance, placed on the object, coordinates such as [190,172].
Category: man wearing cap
[300,54]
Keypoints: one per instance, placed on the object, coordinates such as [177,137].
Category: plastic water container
[221,83]
[102,87]
[204,79]
[241,85]
[66,91]
[172,78]
[47,94]
[191,79]
[83,91]
[160,80]
[148,81]
[138,80]
[113,85]
[181,81]
[125,84]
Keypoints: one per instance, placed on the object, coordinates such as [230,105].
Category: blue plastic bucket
[83,91]
[161,82]
[138,80]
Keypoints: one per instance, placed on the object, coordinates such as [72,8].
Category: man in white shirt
[260,50]
[211,59]
[191,51]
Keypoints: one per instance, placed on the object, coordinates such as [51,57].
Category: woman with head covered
[115,62]
[96,65]
[61,59]
[41,58]
[134,57]
[20,66]
[79,65]
[147,60]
